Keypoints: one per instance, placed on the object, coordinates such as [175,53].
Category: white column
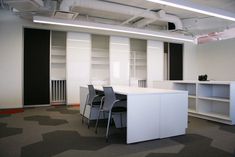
[155,61]
[78,60]
[119,60]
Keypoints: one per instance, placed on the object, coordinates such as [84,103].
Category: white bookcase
[212,100]
[58,67]
[99,59]
[58,55]
[138,60]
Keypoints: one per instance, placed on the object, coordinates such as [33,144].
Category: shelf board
[192,111]
[98,63]
[99,50]
[99,56]
[192,96]
[58,54]
[215,115]
[58,62]
[139,58]
[58,47]
[214,99]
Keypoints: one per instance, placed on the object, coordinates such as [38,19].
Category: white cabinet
[155,61]
[78,64]
[119,60]
[212,100]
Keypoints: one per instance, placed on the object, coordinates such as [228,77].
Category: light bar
[106,27]
[186,5]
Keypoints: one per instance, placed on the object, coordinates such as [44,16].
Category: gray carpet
[58,132]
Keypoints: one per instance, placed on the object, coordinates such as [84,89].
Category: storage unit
[58,67]
[99,72]
[212,100]
[78,61]
[138,62]
[119,60]
[155,61]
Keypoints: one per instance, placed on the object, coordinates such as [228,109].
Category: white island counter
[151,113]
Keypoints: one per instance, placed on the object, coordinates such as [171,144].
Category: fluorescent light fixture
[106,27]
[186,5]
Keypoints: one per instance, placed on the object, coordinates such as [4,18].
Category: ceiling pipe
[121,9]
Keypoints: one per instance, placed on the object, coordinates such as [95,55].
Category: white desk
[152,113]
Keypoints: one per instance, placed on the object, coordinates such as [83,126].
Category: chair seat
[119,109]
[96,103]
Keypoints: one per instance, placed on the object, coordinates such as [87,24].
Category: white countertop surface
[201,82]
[137,90]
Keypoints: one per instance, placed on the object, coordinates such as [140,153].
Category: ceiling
[140,14]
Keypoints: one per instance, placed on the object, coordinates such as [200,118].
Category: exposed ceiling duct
[169,36]
[25,5]
[66,5]
[162,16]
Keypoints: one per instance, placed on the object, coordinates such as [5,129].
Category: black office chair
[109,104]
[93,100]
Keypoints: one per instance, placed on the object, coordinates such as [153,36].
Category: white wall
[11,58]
[217,60]
[190,62]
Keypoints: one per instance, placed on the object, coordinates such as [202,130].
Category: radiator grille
[58,91]
[142,83]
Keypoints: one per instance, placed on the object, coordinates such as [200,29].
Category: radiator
[142,83]
[58,91]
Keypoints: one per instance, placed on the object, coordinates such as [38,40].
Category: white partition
[155,61]
[78,64]
[119,60]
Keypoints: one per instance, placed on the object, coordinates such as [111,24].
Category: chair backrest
[109,99]
[92,93]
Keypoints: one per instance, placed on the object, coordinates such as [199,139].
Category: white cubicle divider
[78,64]
[211,100]
[119,60]
[155,61]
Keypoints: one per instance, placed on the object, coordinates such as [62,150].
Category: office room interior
[164,68]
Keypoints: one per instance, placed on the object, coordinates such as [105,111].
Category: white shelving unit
[212,100]
[58,67]
[138,61]
[99,59]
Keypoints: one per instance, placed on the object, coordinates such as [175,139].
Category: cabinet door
[176,61]
[155,61]
[119,60]
[78,60]
[36,66]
